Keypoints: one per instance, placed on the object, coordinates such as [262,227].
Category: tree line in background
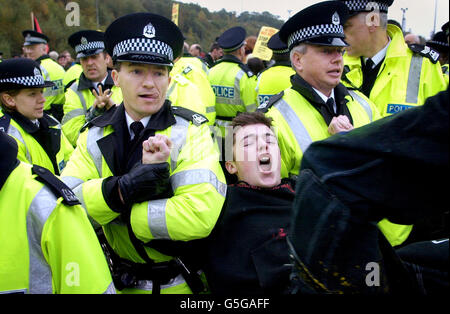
[197,24]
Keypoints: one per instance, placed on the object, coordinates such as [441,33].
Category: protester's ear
[231,167]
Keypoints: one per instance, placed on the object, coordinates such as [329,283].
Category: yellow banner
[175,9]
[261,50]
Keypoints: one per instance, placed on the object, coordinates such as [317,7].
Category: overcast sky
[419,16]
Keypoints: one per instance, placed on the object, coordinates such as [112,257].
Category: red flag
[36,27]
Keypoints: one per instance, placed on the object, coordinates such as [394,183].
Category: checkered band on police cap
[143,46]
[365,5]
[36,80]
[90,46]
[315,31]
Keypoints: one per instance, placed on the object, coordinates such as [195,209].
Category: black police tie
[137,128]
[369,65]
[330,104]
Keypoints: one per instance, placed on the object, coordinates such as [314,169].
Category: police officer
[38,134]
[35,46]
[146,171]
[190,87]
[380,64]
[94,91]
[232,81]
[440,44]
[277,77]
[47,242]
[316,105]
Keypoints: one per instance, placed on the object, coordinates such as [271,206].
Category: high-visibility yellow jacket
[273,80]
[53,156]
[52,71]
[234,86]
[47,246]
[196,178]
[71,75]
[190,87]
[298,122]
[405,78]
[79,99]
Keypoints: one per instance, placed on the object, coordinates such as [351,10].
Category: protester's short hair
[249,118]
[214,46]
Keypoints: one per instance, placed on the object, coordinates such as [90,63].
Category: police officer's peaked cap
[32,38]
[358,6]
[319,24]
[445,28]
[87,43]
[276,45]
[232,39]
[21,73]
[438,42]
[144,38]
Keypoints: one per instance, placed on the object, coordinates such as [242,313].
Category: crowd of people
[148,165]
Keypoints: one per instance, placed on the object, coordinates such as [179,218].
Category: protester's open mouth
[265,164]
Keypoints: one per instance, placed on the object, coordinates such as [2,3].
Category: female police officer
[38,135]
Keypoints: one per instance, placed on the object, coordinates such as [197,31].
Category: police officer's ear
[115,75]
[8,100]
[373,21]
[231,167]
[296,59]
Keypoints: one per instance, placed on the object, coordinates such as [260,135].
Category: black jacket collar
[229,58]
[85,83]
[44,123]
[38,60]
[340,91]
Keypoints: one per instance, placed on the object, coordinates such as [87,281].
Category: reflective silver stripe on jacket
[13,131]
[412,90]
[72,114]
[111,289]
[156,215]
[40,209]
[362,102]
[178,137]
[197,176]
[157,208]
[296,125]
[76,185]
[94,135]
[79,93]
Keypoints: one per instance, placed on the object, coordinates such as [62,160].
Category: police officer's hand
[144,182]
[340,124]
[103,98]
[156,149]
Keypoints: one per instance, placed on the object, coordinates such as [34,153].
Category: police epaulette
[196,118]
[272,100]
[5,120]
[246,69]
[57,186]
[187,70]
[425,51]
